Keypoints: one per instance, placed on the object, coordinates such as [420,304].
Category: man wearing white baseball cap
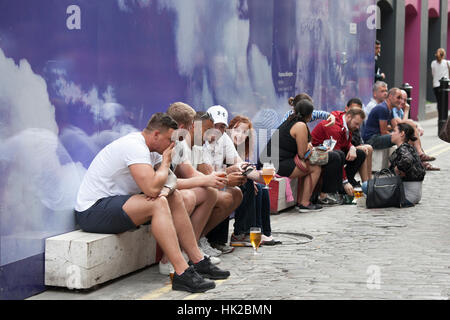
[219,115]
[219,144]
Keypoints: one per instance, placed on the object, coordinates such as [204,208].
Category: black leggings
[437,94]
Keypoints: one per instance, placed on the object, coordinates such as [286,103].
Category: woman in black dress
[293,145]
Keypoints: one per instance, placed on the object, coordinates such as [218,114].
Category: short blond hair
[182,113]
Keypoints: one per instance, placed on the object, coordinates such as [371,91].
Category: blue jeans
[254,210]
[364,187]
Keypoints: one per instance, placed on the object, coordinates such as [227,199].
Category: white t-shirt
[183,154]
[372,104]
[439,70]
[223,149]
[109,175]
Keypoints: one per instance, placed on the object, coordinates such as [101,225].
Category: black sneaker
[206,269]
[329,200]
[191,281]
[312,207]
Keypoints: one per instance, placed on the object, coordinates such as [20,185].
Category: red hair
[234,123]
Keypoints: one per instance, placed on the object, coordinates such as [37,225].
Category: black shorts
[106,216]
[286,167]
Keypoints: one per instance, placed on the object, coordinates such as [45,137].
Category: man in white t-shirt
[228,199]
[125,187]
[221,150]
[202,186]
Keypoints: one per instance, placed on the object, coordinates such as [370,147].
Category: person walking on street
[439,68]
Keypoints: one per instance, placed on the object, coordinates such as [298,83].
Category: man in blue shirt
[378,126]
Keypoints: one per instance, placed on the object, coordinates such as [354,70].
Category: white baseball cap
[219,114]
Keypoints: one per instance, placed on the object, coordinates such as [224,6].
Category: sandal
[429,167]
[424,157]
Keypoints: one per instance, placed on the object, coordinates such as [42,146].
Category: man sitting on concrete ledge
[125,187]
[378,127]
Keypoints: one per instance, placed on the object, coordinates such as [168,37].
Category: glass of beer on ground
[255,238]
[358,193]
[268,172]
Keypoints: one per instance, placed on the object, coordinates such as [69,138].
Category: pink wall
[412,52]
[414,3]
[433,8]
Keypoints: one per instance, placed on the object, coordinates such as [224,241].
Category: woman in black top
[293,144]
[405,162]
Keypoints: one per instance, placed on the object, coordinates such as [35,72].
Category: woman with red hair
[254,210]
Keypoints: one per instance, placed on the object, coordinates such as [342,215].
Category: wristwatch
[171,190]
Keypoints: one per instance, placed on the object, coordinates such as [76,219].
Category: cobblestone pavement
[355,253]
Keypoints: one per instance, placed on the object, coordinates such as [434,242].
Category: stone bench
[380,158]
[81,260]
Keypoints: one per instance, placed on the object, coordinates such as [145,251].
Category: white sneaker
[214,260]
[204,245]
[166,268]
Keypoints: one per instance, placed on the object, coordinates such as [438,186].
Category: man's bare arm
[151,182]
[384,127]
[148,180]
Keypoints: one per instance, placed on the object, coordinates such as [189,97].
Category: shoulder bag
[385,190]
[319,156]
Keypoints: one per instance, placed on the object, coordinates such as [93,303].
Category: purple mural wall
[75,75]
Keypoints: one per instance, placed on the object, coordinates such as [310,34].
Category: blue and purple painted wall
[75,75]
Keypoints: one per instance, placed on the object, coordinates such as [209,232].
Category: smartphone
[248,170]
[307,154]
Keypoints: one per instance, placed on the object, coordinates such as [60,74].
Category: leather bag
[385,190]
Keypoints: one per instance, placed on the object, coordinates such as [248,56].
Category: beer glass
[358,193]
[255,238]
[268,173]
[221,172]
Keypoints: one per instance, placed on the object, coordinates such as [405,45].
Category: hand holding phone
[247,171]
[307,154]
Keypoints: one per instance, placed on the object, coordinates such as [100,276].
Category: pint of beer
[358,193]
[255,238]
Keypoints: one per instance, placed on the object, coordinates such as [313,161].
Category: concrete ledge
[380,158]
[81,260]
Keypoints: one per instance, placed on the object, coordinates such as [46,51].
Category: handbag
[445,131]
[319,156]
[386,190]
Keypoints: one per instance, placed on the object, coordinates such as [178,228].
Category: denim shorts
[106,216]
